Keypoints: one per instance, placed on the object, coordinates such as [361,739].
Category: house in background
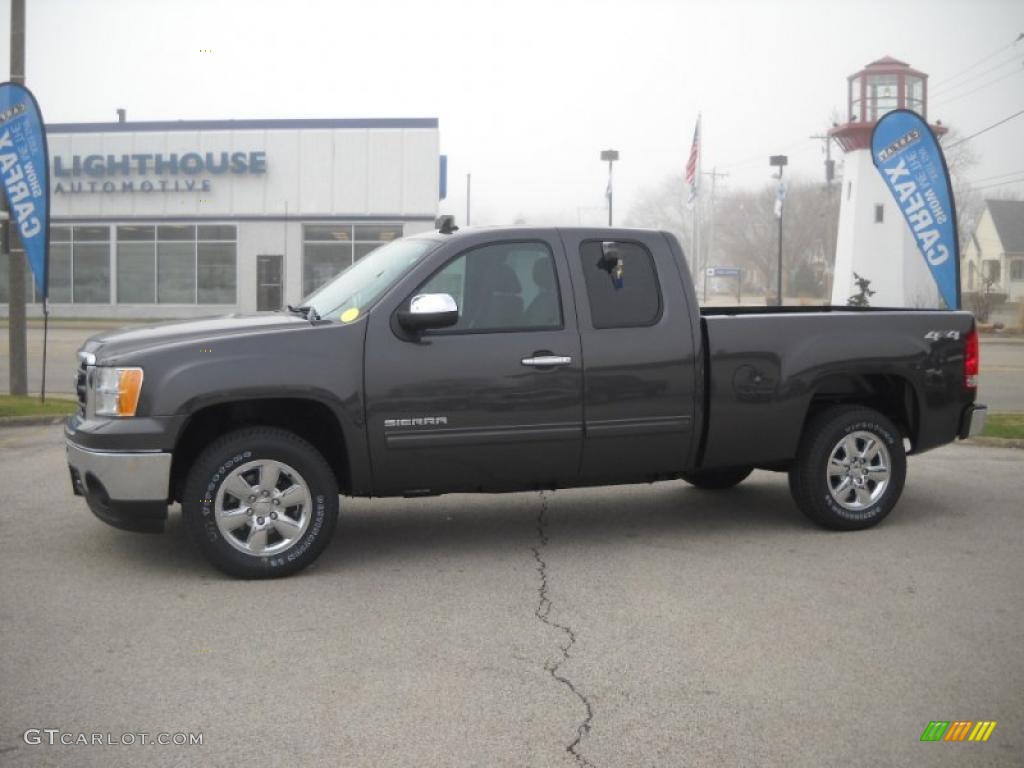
[995,252]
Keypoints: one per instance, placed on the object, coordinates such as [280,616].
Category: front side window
[501,287]
[622,285]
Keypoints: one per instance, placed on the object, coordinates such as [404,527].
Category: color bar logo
[958,730]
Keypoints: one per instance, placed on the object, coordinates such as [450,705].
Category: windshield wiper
[306,311]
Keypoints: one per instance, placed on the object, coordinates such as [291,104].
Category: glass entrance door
[269,282]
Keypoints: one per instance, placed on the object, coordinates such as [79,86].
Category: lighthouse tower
[873,239]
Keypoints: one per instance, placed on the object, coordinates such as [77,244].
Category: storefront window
[176,264]
[329,249]
[216,273]
[175,272]
[90,265]
[60,265]
[136,268]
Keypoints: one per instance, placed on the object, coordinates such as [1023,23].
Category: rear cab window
[622,284]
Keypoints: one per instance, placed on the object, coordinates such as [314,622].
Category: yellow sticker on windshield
[349,315]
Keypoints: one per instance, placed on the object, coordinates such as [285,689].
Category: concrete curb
[30,421]
[997,442]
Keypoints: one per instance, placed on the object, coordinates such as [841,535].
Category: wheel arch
[890,394]
[309,418]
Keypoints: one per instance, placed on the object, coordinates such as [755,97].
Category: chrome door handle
[544,360]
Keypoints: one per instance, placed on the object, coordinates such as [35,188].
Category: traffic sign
[723,271]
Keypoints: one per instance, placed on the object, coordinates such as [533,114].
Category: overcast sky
[528,93]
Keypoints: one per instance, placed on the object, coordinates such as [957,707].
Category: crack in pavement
[543,613]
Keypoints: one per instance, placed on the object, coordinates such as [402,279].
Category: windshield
[363,283]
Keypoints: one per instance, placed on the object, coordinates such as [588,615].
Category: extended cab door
[493,403]
[640,345]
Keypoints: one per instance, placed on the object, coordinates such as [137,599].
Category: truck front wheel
[260,503]
[850,468]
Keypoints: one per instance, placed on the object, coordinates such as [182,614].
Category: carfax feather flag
[25,169]
[907,154]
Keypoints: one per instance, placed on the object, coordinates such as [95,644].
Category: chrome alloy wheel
[263,507]
[858,470]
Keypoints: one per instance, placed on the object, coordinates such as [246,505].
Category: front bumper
[973,421]
[127,490]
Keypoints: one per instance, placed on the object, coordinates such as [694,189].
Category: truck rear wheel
[717,479]
[850,468]
[260,503]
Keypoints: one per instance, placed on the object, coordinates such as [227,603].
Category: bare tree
[663,207]
[748,236]
[746,231]
[970,203]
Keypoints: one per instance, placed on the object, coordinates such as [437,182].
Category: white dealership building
[182,218]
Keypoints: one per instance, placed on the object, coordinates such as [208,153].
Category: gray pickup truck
[490,360]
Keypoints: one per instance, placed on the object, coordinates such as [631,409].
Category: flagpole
[46,329]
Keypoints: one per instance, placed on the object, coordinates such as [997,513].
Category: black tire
[812,486]
[214,467]
[717,479]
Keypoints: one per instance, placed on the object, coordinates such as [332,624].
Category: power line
[986,129]
[1002,183]
[939,90]
[981,87]
[998,176]
[982,60]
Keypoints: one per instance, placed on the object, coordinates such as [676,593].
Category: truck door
[492,403]
[640,382]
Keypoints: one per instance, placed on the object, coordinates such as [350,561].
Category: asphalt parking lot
[638,626]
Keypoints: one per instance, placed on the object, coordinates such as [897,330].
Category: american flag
[693,165]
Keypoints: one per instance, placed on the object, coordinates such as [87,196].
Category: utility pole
[830,166]
[16,287]
[469,176]
[709,245]
[830,176]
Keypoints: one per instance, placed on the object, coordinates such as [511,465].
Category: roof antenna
[445,224]
[122,115]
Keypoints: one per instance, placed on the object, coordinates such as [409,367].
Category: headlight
[117,391]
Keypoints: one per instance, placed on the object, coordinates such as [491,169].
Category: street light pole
[611,155]
[779,161]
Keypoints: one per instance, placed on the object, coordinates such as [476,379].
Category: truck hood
[125,341]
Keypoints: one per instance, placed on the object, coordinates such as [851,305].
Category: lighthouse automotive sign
[907,154]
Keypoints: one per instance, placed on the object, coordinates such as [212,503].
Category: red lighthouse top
[880,87]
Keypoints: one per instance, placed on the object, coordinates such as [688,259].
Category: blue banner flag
[25,169]
[907,154]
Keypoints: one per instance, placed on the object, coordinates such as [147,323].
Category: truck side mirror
[429,310]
